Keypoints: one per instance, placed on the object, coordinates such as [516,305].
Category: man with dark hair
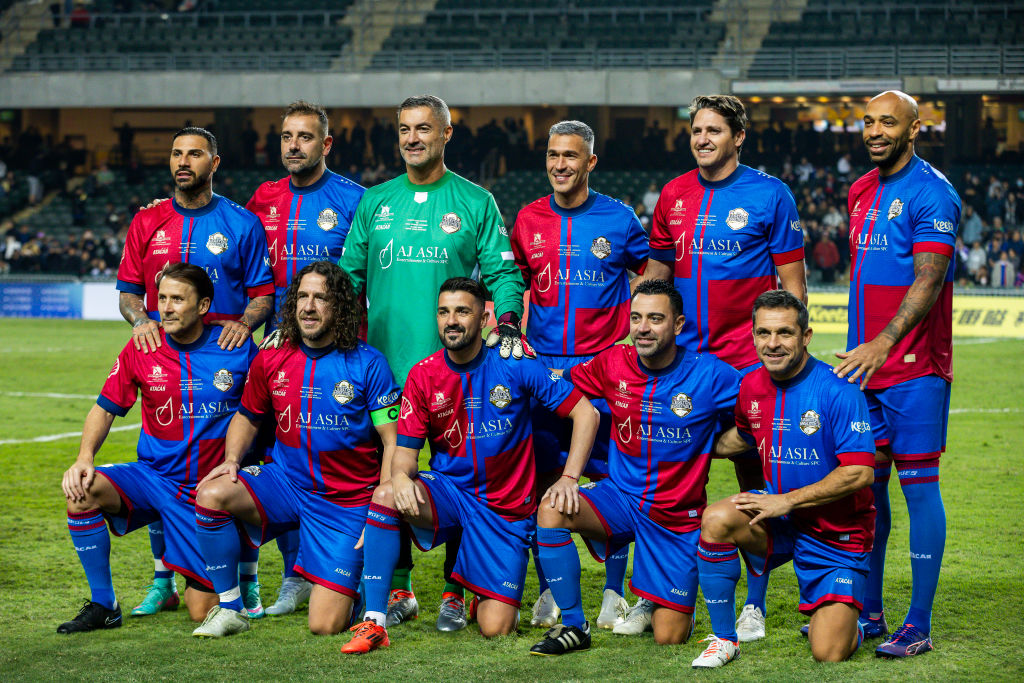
[812,435]
[473,407]
[904,218]
[228,242]
[577,311]
[190,388]
[724,233]
[408,236]
[668,404]
[331,397]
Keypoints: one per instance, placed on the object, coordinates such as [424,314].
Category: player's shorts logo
[737,219]
[810,422]
[223,379]
[681,404]
[500,396]
[386,255]
[344,392]
[327,219]
[217,244]
[601,248]
[451,223]
[895,209]
[254,470]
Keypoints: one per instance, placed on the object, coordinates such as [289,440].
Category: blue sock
[92,542]
[248,563]
[883,524]
[381,548]
[560,564]
[719,568]
[615,570]
[920,482]
[288,544]
[156,544]
[757,589]
[221,547]
[542,583]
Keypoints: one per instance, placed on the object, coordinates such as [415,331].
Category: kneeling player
[330,396]
[667,406]
[474,408]
[812,432]
[190,389]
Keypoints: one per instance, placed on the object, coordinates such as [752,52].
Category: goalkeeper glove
[513,341]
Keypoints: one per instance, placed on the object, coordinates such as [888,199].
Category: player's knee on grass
[670,627]
[199,600]
[720,521]
[833,632]
[384,495]
[329,611]
[495,618]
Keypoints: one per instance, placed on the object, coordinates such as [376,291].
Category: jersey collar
[309,189]
[574,212]
[725,182]
[193,346]
[463,368]
[316,354]
[668,369]
[441,182]
[902,173]
[196,213]
[798,377]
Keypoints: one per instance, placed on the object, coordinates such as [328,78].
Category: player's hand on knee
[233,334]
[272,340]
[225,469]
[408,497]
[77,480]
[763,505]
[512,341]
[564,495]
[146,335]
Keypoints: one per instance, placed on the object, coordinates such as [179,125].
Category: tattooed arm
[929,274]
[235,332]
[145,331]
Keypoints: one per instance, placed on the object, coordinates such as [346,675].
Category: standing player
[473,406]
[725,233]
[812,434]
[667,405]
[228,242]
[903,222]
[306,216]
[576,249]
[409,235]
[330,396]
[190,388]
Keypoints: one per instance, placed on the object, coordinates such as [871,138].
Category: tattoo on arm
[258,310]
[929,275]
[132,308]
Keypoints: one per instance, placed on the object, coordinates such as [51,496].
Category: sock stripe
[554,545]
[211,519]
[716,552]
[382,517]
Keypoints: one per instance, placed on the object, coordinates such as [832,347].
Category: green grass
[42,583]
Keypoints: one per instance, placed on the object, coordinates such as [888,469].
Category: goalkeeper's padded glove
[513,341]
[272,340]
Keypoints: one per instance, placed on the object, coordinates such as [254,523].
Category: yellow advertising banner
[973,316]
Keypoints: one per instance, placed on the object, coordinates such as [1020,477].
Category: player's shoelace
[453,607]
[908,633]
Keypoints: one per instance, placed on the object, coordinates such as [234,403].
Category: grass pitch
[50,372]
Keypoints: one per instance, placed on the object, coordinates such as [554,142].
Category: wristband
[569,476]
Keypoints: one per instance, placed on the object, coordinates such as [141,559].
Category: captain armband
[384,416]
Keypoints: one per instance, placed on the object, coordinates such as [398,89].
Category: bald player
[903,222]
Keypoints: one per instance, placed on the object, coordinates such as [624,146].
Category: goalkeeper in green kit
[408,236]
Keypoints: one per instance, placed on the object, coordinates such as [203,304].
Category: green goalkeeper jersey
[406,240]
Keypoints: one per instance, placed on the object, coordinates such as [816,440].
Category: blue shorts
[664,561]
[494,551]
[327,532]
[823,572]
[148,496]
[552,434]
[911,417]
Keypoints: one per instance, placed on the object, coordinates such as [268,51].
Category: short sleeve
[587,377]
[741,419]
[256,400]
[662,244]
[413,417]
[726,383]
[354,253]
[638,245]
[547,386]
[259,281]
[936,219]
[382,390]
[851,426]
[121,389]
[517,249]
[785,234]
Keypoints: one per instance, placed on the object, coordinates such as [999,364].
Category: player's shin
[220,546]
[560,564]
[615,570]
[288,544]
[883,523]
[920,483]
[719,567]
[383,544]
[92,542]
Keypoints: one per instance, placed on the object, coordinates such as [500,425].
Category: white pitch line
[960,411]
[65,435]
[37,394]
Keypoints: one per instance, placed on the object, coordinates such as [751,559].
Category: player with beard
[812,434]
[668,404]
[333,400]
[904,217]
[473,406]
[190,387]
[205,229]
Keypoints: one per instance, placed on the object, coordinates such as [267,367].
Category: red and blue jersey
[803,428]
[222,238]
[189,394]
[663,427]
[322,401]
[891,219]
[477,419]
[576,263]
[304,224]
[725,239]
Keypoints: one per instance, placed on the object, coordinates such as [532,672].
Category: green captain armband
[384,416]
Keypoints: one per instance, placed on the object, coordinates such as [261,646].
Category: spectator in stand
[650,197]
[976,259]
[826,258]
[1012,210]
[970,225]
[804,170]
[1004,274]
